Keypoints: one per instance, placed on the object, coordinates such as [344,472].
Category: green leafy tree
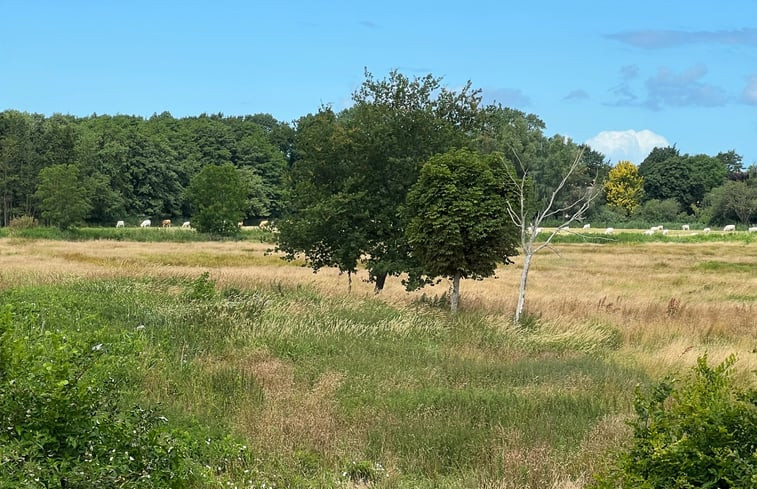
[624,187]
[362,162]
[734,200]
[458,227]
[659,211]
[701,432]
[219,195]
[682,177]
[63,196]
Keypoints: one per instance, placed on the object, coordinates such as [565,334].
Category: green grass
[315,384]
[130,234]
[623,237]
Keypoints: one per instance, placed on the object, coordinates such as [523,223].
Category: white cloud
[629,145]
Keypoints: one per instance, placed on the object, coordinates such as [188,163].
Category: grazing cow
[120,224]
[186,225]
[664,232]
[706,230]
[649,232]
[263,224]
[146,223]
[609,230]
[240,224]
[166,223]
[729,228]
[753,229]
[657,228]
[587,226]
[685,227]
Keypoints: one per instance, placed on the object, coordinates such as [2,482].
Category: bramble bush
[701,433]
[65,420]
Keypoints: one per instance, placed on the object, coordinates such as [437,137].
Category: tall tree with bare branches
[528,214]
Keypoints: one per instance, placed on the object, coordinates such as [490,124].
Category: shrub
[23,222]
[65,421]
[701,433]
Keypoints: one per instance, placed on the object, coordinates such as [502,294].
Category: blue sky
[622,76]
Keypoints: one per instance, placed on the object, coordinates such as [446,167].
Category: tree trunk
[455,300]
[349,281]
[523,282]
[380,280]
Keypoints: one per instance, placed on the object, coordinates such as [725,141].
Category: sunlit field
[323,384]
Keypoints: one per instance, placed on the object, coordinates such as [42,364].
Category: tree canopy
[458,225]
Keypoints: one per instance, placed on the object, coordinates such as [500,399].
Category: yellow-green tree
[624,187]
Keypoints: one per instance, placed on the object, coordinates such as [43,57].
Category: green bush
[65,419]
[699,433]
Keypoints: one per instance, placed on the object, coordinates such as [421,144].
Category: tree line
[132,167]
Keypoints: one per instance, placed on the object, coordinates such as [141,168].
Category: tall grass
[333,389]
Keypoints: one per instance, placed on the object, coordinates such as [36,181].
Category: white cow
[186,225]
[587,226]
[685,227]
[649,232]
[263,224]
[664,232]
[706,230]
[658,228]
[729,228]
[609,230]
[146,223]
[120,224]
[753,229]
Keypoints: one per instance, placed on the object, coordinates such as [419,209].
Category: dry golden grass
[670,302]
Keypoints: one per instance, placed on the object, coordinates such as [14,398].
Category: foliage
[701,432]
[685,178]
[64,199]
[220,197]
[624,187]
[655,210]
[65,422]
[736,200]
[353,170]
[458,227]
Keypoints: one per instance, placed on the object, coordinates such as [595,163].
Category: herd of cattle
[166,223]
[730,228]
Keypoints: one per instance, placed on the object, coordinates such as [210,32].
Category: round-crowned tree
[218,194]
[458,222]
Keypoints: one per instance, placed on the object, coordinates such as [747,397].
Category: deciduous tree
[63,196]
[219,196]
[624,187]
[457,225]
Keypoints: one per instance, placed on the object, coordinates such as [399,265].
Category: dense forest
[134,168]
[131,168]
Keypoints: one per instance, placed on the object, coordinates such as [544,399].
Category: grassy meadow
[325,388]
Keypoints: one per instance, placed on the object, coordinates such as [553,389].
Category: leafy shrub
[660,210]
[65,420]
[702,433]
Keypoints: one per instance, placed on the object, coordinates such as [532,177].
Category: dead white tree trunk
[529,226]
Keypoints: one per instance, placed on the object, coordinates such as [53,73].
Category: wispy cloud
[622,91]
[658,39]
[578,94]
[684,89]
[749,95]
[629,145]
[670,89]
[369,24]
[509,97]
